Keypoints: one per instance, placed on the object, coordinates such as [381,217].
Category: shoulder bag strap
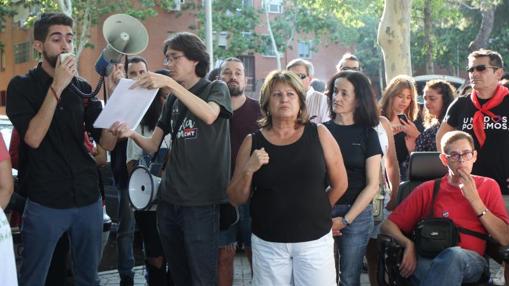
[436,188]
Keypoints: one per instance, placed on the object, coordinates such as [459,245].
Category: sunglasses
[302,76]
[480,68]
[350,69]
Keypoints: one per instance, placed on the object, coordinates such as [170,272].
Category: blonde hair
[395,88]
[453,136]
[285,77]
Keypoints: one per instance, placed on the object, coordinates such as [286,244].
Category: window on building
[273,6]
[304,49]
[176,5]
[21,53]
[222,40]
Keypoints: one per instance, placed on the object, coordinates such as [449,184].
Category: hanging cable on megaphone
[125,36]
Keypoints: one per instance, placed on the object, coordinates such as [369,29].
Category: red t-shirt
[451,203]
[4,154]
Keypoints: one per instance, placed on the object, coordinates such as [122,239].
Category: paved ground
[242,275]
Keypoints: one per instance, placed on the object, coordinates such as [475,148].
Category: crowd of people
[312,175]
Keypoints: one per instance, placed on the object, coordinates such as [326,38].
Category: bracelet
[485,211]
[54,93]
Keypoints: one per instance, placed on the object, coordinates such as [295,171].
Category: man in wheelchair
[472,202]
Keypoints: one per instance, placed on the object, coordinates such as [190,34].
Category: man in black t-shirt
[194,183]
[484,114]
[488,122]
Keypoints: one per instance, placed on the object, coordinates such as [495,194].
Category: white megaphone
[124,35]
[143,188]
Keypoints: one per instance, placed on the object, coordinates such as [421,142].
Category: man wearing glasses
[198,171]
[484,114]
[471,202]
[348,62]
[316,102]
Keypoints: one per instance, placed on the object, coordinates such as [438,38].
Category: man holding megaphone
[59,175]
[196,178]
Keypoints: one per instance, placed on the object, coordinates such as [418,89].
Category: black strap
[436,188]
[482,236]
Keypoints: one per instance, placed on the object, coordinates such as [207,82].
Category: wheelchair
[423,166]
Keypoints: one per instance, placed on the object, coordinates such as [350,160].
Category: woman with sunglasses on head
[399,105]
[438,95]
[354,115]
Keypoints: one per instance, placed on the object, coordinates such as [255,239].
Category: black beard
[235,91]
[51,60]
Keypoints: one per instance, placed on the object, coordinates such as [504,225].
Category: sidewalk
[241,276]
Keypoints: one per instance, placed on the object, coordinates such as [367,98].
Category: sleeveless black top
[289,202]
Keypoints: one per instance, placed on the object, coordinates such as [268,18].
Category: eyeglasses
[171,59]
[480,68]
[302,76]
[456,157]
[350,68]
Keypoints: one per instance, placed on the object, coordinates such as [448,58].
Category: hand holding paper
[126,105]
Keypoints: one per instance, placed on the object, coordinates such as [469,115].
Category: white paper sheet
[126,105]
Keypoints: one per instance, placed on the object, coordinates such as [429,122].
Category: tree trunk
[428,36]
[394,38]
[273,40]
[488,18]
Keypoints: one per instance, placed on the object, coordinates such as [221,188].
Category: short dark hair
[366,110]
[230,59]
[46,20]
[495,58]
[137,59]
[193,48]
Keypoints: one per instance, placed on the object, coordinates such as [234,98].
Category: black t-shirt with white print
[493,157]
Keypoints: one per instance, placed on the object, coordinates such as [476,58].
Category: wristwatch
[346,221]
[485,211]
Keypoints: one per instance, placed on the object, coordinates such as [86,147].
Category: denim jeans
[189,236]
[42,228]
[352,244]
[125,235]
[451,267]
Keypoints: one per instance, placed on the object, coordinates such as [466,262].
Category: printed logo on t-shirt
[188,130]
[497,123]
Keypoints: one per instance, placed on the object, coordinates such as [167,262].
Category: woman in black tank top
[285,167]
[354,115]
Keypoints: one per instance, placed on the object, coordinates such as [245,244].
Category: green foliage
[239,22]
